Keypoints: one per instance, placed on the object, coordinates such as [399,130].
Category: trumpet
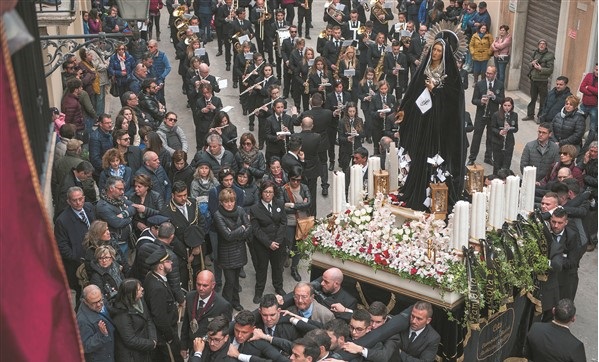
[378,10]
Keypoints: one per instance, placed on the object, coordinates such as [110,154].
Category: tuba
[331,10]
[378,9]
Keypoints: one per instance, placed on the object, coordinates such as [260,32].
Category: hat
[203,162]
[73,145]
[157,220]
[482,5]
[158,256]
[193,236]
[542,41]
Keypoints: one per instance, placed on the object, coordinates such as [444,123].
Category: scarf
[248,157]
[233,215]
[114,202]
[120,171]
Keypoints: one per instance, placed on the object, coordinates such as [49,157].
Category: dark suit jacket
[163,307]
[374,54]
[283,329]
[323,119]
[315,81]
[332,102]
[69,231]
[286,48]
[480,89]
[220,307]
[376,104]
[330,52]
[312,146]
[274,145]
[268,227]
[199,116]
[389,64]
[415,49]
[217,356]
[288,161]
[549,290]
[549,342]
[179,221]
[423,348]
[261,351]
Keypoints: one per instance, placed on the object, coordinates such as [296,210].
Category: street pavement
[585,327]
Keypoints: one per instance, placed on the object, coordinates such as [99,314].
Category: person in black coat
[69,230]
[335,101]
[95,327]
[287,47]
[269,228]
[162,304]
[144,195]
[420,341]
[294,156]
[504,123]
[312,147]
[106,272]
[216,346]
[233,229]
[206,107]
[554,341]
[261,351]
[416,47]
[276,145]
[136,337]
[396,70]
[201,306]
[382,100]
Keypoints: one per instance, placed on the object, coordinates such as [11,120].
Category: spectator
[71,107]
[100,141]
[95,326]
[541,68]
[172,136]
[540,153]
[120,66]
[502,50]
[556,99]
[161,68]
[106,272]
[481,50]
[568,124]
[588,87]
[152,168]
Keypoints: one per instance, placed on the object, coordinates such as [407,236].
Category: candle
[496,207]
[374,164]
[513,183]
[341,191]
[461,211]
[393,167]
[481,227]
[473,215]
[335,186]
[356,185]
[527,193]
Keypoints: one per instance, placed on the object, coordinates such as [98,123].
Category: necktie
[184,212]
[355,25]
[421,40]
[269,208]
[490,86]
[381,49]
[412,337]
[280,119]
[269,331]
[556,237]
[369,83]
[84,218]
[319,74]
[280,24]
[339,98]
[337,43]
[384,100]
[300,313]
[301,53]
[241,22]
[200,305]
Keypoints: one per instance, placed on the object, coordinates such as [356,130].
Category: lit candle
[393,167]
[374,164]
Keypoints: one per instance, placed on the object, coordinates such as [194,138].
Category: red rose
[413,271]
[338,243]
[386,254]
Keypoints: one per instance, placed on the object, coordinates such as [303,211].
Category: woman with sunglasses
[297,200]
[120,66]
[250,157]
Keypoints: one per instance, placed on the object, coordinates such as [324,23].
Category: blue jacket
[99,143]
[479,18]
[160,181]
[161,67]
[127,179]
[97,346]
[114,68]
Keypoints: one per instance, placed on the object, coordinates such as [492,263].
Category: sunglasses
[172,119]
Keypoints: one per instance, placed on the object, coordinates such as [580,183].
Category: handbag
[303,224]
[114,88]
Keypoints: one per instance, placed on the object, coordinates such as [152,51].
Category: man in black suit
[294,156]
[241,25]
[202,305]
[216,346]
[241,345]
[335,101]
[162,305]
[420,340]
[364,41]
[361,324]
[335,297]
[287,47]
[321,120]
[206,107]
[82,172]
[257,17]
[271,323]
[573,250]
[278,23]
[279,121]
[396,70]
[488,96]
[311,147]
[554,341]
[416,47]
[332,48]
[70,228]
[222,22]
[380,101]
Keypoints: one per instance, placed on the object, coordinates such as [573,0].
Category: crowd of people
[145,228]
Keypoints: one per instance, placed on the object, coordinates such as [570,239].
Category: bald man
[95,326]
[160,181]
[335,297]
[311,145]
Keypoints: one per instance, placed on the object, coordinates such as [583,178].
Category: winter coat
[233,230]
[108,280]
[568,128]
[114,68]
[173,138]
[480,48]
[554,103]
[545,60]
[73,113]
[135,333]
[588,88]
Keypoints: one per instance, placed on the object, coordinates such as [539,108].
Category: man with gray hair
[135,79]
[153,169]
[78,175]
[161,68]
[215,155]
[95,326]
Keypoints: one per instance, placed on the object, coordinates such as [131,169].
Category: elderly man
[161,68]
[541,68]
[554,341]
[100,141]
[201,306]
[95,326]
[540,153]
[136,78]
[306,307]
[117,211]
[69,230]
[215,155]
[152,168]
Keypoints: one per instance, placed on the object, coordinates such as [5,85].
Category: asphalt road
[585,327]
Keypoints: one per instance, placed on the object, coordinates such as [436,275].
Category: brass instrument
[378,70]
[323,34]
[331,10]
[232,12]
[180,22]
[378,9]
[265,16]
[341,51]
[179,11]
[307,87]
[190,39]
[235,41]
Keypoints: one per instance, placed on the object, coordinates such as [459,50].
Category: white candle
[527,193]
[460,224]
[355,185]
[508,192]
[473,215]
[393,167]
[374,164]
[481,227]
[498,201]
[341,191]
[465,225]
[335,186]
[513,183]
[492,202]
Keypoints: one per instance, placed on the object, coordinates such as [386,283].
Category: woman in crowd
[567,158]
[297,199]
[120,66]
[504,123]
[301,79]
[113,164]
[233,229]
[90,78]
[259,93]
[351,134]
[366,89]
[154,143]
[144,195]
[502,47]
[481,51]
[221,125]
[269,224]
[320,78]
[349,60]
[250,157]
[132,126]
[275,173]
[135,337]
[99,235]
[569,124]
[244,180]
[107,274]
[180,170]
[94,22]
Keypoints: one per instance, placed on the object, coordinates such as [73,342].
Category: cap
[542,41]
[203,162]
[158,256]
[74,144]
[482,5]
[193,236]
[157,220]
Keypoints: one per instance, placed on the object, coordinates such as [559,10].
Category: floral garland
[421,250]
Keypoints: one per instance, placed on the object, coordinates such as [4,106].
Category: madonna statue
[433,123]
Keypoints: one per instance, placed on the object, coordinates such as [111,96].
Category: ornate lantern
[381,182]
[474,179]
[439,199]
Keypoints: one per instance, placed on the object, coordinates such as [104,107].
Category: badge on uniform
[193,325]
